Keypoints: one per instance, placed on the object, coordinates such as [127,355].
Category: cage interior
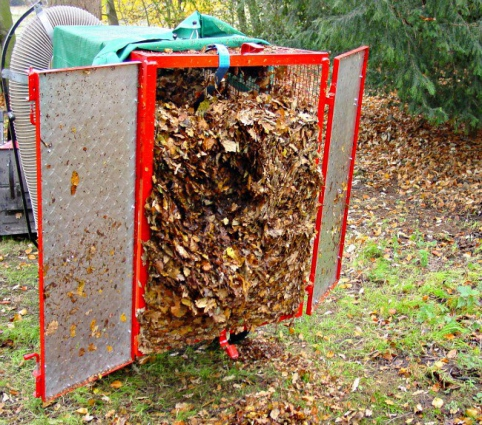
[233,207]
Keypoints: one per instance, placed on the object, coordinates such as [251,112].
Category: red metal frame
[330,102]
[39,371]
[145,154]
[150,62]
[280,56]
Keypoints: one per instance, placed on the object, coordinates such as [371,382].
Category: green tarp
[98,45]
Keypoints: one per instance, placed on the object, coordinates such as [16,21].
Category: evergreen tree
[429,51]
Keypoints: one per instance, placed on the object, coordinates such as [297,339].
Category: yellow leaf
[116,384]
[74,181]
[82,411]
[123,318]
[437,403]
[230,253]
[471,412]
[202,302]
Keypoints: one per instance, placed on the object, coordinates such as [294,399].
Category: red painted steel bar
[145,154]
[211,60]
[323,101]
[39,371]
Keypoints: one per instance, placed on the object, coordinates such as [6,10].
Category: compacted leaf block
[233,206]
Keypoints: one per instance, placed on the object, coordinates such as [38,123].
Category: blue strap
[224,61]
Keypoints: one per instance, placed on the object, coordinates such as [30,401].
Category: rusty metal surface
[339,161]
[88,131]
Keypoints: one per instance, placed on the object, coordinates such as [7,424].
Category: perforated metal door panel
[343,119]
[87,179]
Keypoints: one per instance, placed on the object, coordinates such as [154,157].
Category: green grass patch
[423,326]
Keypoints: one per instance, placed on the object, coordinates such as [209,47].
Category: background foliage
[430,53]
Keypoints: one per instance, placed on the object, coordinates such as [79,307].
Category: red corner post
[35,119]
[144,152]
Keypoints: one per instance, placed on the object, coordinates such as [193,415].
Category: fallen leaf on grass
[437,403]
[355,385]
[110,413]
[16,318]
[116,384]
[472,412]
[452,354]
[182,407]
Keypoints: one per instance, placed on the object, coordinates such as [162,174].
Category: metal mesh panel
[339,161]
[88,131]
[301,81]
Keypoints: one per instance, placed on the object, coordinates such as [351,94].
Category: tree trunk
[5,23]
[111,13]
[92,6]
[254,15]
[241,14]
